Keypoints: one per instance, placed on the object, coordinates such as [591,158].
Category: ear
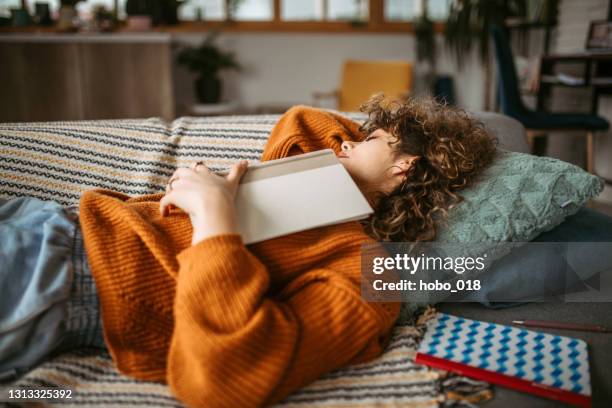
[403,165]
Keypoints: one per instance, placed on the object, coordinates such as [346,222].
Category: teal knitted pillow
[517,197]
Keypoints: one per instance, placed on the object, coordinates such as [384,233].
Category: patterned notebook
[548,365]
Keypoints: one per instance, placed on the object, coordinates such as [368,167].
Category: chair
[361,79]
[538,123]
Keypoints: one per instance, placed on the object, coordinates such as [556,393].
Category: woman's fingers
[199,166]
[182,171]
[198,179]
[164,204]
[185,173]
[170,186]
[236,172]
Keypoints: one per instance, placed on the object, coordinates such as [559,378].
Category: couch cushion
[518,197]
[535,272]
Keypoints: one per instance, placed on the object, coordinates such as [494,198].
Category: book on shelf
[564,79]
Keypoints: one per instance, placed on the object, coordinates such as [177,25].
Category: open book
[296,193]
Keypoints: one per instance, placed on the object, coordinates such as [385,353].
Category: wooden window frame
[376,24]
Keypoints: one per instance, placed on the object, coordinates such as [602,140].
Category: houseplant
[426,45]
[231,8]
[425,36]
[207,60]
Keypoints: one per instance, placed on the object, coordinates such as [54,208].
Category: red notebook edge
[505,380]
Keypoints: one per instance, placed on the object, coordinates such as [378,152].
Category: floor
[603,207]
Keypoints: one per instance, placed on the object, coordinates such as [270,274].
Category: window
[293,15]
[402,10]
[202,9]
[7,5]
[214,10]
[304,10]
[438,10]
[347,10]
[410,10]
[324,10]
[84,8]
[255,10]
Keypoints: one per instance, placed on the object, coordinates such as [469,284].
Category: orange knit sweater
[226,325]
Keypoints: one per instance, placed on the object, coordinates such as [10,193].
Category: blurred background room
[65,60]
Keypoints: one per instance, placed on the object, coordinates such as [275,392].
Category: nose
[346,145]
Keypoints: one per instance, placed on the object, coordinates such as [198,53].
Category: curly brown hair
[453,148]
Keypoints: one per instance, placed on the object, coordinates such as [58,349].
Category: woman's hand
[206,197]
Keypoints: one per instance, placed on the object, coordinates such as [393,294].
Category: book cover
[297,193]
[543,364]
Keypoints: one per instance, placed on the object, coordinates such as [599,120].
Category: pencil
[561,325]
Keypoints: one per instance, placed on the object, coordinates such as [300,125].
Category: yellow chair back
[361,79]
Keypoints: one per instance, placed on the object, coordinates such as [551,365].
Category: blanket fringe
[459,391]
[428,314]
[418,319]
[462,391]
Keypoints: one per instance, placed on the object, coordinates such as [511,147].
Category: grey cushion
[509,131]
[535,272]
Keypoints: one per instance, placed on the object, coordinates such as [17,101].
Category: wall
[288,67]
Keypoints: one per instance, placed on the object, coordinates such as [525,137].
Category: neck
[374,194]
[373,197]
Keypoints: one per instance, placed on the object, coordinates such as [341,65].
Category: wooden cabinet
[67,77]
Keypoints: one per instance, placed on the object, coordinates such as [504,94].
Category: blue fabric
[83,323]
[36,282]
[529,274]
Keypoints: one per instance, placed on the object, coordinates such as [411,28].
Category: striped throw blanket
[60,160]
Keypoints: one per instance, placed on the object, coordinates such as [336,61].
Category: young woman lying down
[176,297]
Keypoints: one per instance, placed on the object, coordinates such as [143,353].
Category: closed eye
[369,137]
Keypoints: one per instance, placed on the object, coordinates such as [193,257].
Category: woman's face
[373,164]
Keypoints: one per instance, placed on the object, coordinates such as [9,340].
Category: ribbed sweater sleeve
[303,129]
[235,346]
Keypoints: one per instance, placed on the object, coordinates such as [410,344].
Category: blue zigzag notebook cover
[544,364]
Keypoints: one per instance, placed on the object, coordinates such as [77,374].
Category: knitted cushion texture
[516,198]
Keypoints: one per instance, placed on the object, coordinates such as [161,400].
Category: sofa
[60,160]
